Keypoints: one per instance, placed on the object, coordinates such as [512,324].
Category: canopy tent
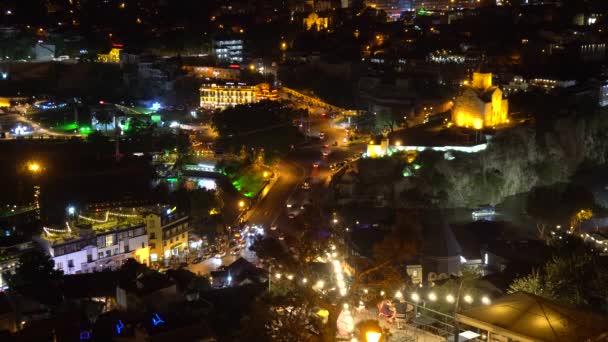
[526,317]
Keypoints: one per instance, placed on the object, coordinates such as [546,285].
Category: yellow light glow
[477,124]
[33,167]
[241,204]
[373,336]
[265,174]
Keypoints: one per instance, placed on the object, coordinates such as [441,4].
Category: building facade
[85,249]
[480,104]
[168,235]
[228,50]
[220,96]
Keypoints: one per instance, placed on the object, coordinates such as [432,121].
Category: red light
[101,102]
[117,45]
[234,66]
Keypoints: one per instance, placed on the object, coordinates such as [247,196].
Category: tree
[533,283]
[36,277]
[573,276]
[104,117]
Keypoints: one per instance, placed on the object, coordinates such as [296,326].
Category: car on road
[315,165]
[321,135]
[281,237]
[273,227]
[306,185]
[291,216]
[326,146]
[325,153]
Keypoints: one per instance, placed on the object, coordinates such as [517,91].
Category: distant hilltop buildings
[480,104]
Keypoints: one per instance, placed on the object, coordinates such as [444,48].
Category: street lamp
[241,204]
[33,167]
[450,298]
[485,300]
[432,296]
[372,336]
[468,299]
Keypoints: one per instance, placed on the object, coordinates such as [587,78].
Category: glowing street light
[485,300]
[398,295]
[432,296]
[241,204]
[382,293]
[290,276]
[34,167]
[468,299]
[372,336]
[450,298]
[320,284]
[304,281]
[415,297]
[278,275]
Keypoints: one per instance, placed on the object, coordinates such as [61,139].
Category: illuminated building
[603,96]
[393,8]
[226,74]
[446,4]
[228,50]
[315,22]
[480,104]
[168,234]
[376,148]
[111,57]
[82,247]
[220,96]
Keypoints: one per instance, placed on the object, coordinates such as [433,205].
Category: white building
[88,249]
[229,50]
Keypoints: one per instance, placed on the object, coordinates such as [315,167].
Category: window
[154,257]
[109,240]
[89,257]
[100,256]
[59,266]
[165,243]
[152,236]
[108,253]
[115,251]
[183,236]
[70,263]
[143,244]
[126,248]
[152,246]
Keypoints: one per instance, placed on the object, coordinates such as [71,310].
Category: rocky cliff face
[516,160]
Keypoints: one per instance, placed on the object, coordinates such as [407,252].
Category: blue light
[168,211]
[155,106]
[71,210]
[156,320]
[85,335]
[119,326]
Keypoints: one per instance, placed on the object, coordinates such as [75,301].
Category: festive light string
[108,214]
[52,231]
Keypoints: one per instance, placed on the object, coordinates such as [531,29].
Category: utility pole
[456,326]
